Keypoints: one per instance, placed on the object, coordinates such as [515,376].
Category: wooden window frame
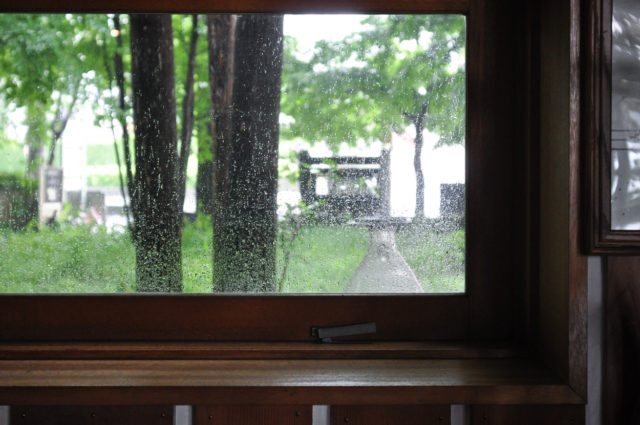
[524,121]
[498,253]
[598,236]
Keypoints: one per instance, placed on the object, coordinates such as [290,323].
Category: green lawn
[85,260]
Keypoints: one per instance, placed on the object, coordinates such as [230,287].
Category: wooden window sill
[311,381]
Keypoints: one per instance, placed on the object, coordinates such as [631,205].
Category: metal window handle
[326,334]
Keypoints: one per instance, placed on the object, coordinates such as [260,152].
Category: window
[352,107]
[495,251]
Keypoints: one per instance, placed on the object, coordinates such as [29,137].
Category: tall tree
[397,70]
[204,177]
[221,42]
[247,163]
[157,233]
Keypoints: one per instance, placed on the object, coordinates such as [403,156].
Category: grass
[81,259]
[74,260]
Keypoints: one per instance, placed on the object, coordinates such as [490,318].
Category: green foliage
[48,64]
[18,203]
[103,180]
[44,54]
[288,232]
[12,158]
[359,88]
[288,165]
[18,182]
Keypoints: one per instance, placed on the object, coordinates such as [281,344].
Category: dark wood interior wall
[562,290]
[622,341]
[496,170]
[91,415]
[391,415]
[252,415]
[526,294]
[527,415]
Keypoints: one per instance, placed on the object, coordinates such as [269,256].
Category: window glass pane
[241,154]
[625,120]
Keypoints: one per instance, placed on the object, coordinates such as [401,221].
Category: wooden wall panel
[391,415]
[562,289]
[527,415]
[622,341]
[252,415]
[91,415]
[494,209]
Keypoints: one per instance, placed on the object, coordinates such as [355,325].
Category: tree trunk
[34,141]
[221,42]
[204,179]
[60,121]
[418,123]
[155,195]
[417,165]
[204,187]
[245,221]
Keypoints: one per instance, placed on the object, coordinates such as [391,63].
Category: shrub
[18,201]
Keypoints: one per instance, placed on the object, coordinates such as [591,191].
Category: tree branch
[62,120]
[125,207]
[119,68]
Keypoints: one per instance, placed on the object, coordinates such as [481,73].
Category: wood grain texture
[391,415]
[109,350]
[226,317]
[495,381]
[232,6]
[252,415]
[91,415]
[527,415]
[622,341]
[577,274]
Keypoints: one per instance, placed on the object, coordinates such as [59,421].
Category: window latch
[326,334]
